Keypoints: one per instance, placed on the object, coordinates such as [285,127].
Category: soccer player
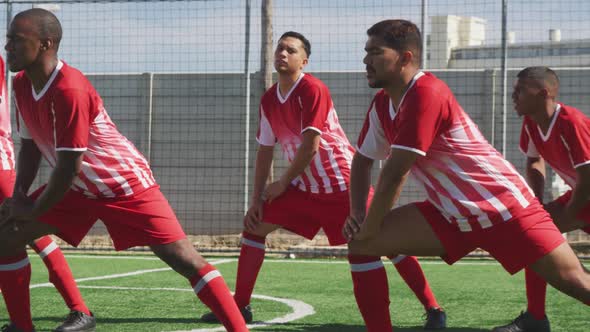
[475,197]
[312,194]
[558,134]
[60,275]
[97,173]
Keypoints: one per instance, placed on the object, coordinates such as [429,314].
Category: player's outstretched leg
[534,318]
[15,277]
[371,291]
[206,281]
[409,269]
[249,264]
[80,319]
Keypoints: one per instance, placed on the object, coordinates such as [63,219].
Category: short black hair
[46,22]
[541,74]
[400,35]
[304,41]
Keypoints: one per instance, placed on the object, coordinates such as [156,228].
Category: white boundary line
[300,309]
[303,261]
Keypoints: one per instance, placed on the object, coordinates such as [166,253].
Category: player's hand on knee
[365,232]
[351,226]
[253,217]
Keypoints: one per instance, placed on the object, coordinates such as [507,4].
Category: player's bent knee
[366,248]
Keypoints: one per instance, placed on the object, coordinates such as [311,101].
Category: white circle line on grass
[299,309]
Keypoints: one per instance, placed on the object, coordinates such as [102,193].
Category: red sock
[211,289]
[409,269]
[371,291]
[60,274]
[536,289]
[249,263]
[15,277]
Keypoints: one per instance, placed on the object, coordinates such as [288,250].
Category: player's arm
[27,166]
[68,165]
[389,186]
[535,175]
[581,193]
[303,157]
[264,158]
[360,184]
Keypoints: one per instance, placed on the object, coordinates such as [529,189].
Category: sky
[209,36]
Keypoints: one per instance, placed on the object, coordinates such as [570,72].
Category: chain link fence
[182,79]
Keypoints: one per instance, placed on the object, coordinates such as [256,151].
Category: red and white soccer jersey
[565,146]
[307,106]
[470,182]
[68,115]
[6,144]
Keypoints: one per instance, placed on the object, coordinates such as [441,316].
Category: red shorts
[304,213]
[515,243]
[142,220]
[583,215]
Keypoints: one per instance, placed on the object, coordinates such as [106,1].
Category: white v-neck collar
[39,95]
[283,100]
[392,110]
[545,137]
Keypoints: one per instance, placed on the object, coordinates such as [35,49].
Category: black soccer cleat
[525,322]
[77,321]
[211,318]
[11,328]
[436,319]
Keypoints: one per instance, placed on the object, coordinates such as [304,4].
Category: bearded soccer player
[97,173]
[313,193]
[475,197]
[558,134]
[60,275]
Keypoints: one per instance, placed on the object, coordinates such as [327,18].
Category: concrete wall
[192,127]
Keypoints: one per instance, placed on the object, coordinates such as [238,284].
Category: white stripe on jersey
[569,151]
[100,123]
[501,179]
[6,164]
[94,178]
[334,164]
[82,186]
[448,208]
[455,192]
[570,181]
[114,174]
[485,194]
[267,136]
[314,188]
[317,162]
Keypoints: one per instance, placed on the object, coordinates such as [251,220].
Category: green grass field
[139,293]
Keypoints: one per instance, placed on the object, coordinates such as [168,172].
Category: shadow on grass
[307,327]
[104,323]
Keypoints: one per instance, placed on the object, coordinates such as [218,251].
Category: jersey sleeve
[420,121]
[72,120]
[527,146]
[315,103]
[577,138]
[265,135]
[372,142]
